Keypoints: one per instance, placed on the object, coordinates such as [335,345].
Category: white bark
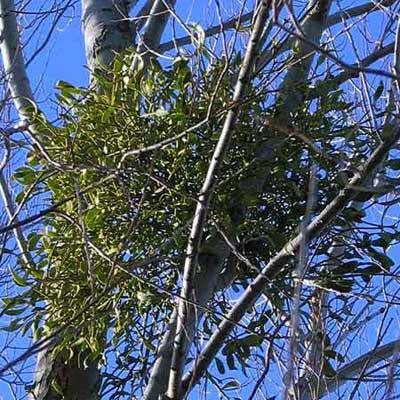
[18,82]
[13,61]
[155,25]
[106,30]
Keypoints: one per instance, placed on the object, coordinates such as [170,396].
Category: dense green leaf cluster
[126,161]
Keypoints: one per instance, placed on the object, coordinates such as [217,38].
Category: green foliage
[130,200]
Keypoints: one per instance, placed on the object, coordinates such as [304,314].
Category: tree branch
[206,192]
[214,30]
[357,11]
[351,73]
[208,281]
[352,370]
[155,25]
[233,23]
[279,263]
[332,20]
[18,82]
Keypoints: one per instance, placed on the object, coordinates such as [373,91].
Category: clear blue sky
[64,59]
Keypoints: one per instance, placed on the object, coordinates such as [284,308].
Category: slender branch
[212,266]
[356,11]
[352,370]
[155,25]
[314,357]
[332,20]
[18,82]
[141,17]
[206,192]
[313,26]
[346,66]
[353,72]
[279,263]
[52,208]
[234,22]
[19,235]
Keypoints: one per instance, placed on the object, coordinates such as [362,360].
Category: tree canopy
[215,214]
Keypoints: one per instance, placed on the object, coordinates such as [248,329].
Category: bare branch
[337,60]
[358,10]
[18,82]
[332,20]
[215,30]
[353,369]
[354,72]
[205,198]
[235,22]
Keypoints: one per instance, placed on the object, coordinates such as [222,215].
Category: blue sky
[64,59]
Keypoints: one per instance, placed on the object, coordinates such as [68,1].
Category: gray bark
[292,93]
